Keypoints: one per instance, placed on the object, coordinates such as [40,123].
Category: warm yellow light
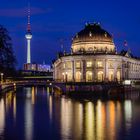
[2,74]
[89,63]
[100,72]
[90,73]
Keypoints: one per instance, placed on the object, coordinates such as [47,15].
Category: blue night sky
[56,20]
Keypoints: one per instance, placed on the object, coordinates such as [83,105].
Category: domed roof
[93,39]
[93,32]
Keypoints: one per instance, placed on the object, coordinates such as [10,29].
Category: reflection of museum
[94,57]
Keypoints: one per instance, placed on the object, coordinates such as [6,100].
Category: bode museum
[94,58]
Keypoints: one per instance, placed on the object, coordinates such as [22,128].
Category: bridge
[14,84]
[73,88]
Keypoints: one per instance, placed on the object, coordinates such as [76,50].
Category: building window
[78,64]
[110,65]
[89,64]
[100,76]
[64,65]
[69,76]
[90,49]
[78,76]
[111,76]
[118,76]
[88,76]
[99,64]
[68,65]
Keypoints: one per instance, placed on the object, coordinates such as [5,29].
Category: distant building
[94,58]
[37,67]
[37,71]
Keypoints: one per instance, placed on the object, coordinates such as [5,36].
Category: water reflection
[66,118]
[2,116]
[14,107]
[33,95]
[128,114]
[89,121]
[29,113]
[42,115]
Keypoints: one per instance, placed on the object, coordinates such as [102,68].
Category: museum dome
[93,38]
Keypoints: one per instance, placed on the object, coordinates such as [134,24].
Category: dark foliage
[7,57]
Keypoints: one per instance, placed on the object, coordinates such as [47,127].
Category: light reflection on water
[32,113]
[2,116]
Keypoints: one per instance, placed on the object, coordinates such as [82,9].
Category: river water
[32,113]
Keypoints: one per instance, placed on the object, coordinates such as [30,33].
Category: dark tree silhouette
[7,57]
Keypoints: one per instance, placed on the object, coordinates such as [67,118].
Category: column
[123,71]
[28,52]
[106,70]
[83,71]
[93,69]
[115,70]
[73,71]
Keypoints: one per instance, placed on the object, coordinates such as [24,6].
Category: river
[32,113]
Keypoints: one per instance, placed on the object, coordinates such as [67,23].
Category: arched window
[82,49]
[111,76]
[69,76]
[118,76]
[90,49]
[78,76]
[88,76]
[100,76]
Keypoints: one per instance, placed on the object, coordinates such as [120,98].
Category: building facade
[94,58]
[37,67]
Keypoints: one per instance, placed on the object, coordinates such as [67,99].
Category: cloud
[22,12]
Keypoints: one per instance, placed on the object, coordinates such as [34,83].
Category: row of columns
[94,70]
[58,71]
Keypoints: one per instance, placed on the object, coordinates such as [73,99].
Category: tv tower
[28,37]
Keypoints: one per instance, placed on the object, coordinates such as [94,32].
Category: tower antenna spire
[29,18]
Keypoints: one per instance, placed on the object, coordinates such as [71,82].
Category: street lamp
[1,77]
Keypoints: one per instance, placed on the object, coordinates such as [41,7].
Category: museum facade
[94,58]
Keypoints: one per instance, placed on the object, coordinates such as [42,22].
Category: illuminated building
[37,67]
[94,58]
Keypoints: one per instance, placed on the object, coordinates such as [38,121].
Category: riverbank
[100,90]
[77,90]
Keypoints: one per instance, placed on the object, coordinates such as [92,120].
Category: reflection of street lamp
[1,77]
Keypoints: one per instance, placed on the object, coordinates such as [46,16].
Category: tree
[7,57]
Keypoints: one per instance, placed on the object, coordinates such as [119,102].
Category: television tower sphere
[28,36]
